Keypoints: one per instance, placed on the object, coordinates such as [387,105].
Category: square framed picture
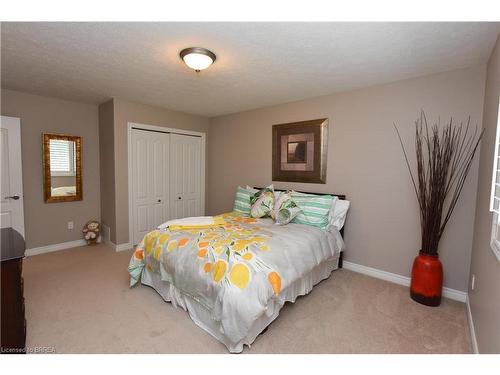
[300,151]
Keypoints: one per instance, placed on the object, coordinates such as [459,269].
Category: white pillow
[337,217]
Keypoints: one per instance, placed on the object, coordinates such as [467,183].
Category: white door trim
[15,124]
[162,129]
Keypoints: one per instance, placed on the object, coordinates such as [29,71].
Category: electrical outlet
[70,225]
[472,281]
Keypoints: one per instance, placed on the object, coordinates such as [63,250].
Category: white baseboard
[475,348]
[55,247]
[456,295]
[107,240]
[72,244]
[453,294]
[123,246]
[120,247]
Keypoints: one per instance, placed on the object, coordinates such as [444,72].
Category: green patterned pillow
[315,209]
[284,209]
[242,200]
[262,202]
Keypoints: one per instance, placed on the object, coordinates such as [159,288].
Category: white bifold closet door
[166,179]
[150,170]
[185,176]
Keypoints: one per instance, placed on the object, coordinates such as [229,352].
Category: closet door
[150,176]
[185,176]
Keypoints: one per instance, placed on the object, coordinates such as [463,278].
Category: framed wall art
[300,151]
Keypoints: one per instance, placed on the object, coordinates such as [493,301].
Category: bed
[233,279]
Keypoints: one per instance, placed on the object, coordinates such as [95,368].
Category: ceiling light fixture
[197,58]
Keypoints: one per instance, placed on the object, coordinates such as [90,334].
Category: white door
[185,179]
[150,173]
[11,199]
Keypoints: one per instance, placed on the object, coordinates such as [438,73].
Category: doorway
[11,199]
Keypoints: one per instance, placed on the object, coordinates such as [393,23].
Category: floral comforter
[234,270]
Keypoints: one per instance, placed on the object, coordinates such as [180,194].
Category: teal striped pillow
[315,209]
[242,200]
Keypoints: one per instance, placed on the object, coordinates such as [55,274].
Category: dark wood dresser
[13,335]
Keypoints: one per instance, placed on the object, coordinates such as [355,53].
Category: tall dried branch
[444,155]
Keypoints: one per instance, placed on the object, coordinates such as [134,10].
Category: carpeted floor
[78,301]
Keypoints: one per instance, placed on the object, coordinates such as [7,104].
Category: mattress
[202,317]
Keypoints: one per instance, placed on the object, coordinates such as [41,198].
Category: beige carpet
[78,301]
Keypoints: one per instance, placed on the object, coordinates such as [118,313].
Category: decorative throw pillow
[315,209]
[279,198]
[242,200]
[262,202]
[285,209]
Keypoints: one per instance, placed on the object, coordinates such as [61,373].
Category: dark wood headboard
[340,196]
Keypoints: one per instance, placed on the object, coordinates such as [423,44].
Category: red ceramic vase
[426,279]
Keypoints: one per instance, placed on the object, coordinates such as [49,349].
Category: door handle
[15,197]
[179,198]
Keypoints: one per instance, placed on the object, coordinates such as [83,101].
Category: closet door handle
[16,197]
[179,198]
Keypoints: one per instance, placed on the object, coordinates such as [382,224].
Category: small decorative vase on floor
[426,279]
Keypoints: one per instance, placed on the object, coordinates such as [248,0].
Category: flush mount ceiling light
[197,58]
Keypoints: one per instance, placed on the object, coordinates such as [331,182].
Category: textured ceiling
[258,64]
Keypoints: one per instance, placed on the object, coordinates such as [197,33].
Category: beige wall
[485,298]
[46,223]
[364,162]
[125,112]
[107,163]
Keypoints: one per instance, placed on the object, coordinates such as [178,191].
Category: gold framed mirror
[62,168]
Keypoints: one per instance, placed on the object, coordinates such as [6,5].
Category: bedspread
[236,269]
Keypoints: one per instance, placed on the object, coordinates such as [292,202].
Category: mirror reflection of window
[62,167]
